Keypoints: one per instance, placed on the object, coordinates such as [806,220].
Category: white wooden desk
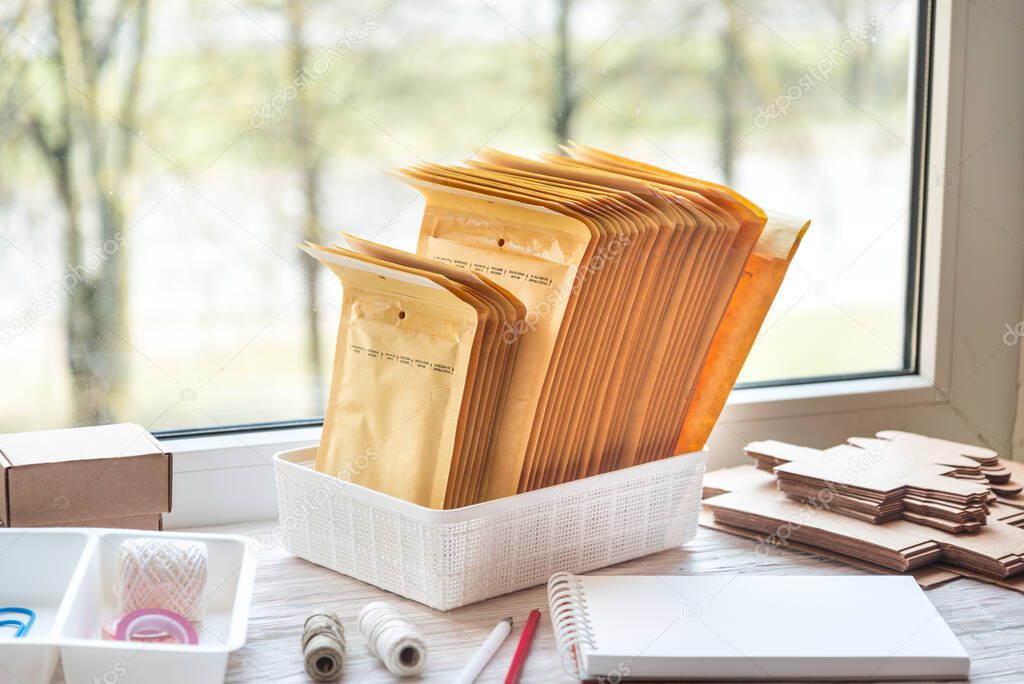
[988,620]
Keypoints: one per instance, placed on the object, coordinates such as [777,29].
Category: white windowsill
[228,478]
[820,398]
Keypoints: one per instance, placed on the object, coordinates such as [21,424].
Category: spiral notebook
[751,627]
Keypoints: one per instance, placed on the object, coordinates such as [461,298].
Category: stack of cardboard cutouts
[879,480]
[725,480]
[738,478]
[990,468]
[754,503]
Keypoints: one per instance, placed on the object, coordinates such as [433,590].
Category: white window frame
[228,478]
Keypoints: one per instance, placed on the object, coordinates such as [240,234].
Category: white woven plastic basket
[447,559]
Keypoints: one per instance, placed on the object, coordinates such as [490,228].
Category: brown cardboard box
[83,476]
[149,522]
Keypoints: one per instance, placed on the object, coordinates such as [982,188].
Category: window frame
[225,475]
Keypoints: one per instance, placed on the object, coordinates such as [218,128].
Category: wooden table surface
[988,620]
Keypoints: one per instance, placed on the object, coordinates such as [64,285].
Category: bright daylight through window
[151,206]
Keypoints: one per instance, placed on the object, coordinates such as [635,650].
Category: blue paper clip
[23,627]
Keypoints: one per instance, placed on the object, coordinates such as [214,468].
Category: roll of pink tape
[155,637]
[156,625]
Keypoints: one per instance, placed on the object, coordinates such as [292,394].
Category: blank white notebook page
[754,627]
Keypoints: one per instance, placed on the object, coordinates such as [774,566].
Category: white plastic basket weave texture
[447,559]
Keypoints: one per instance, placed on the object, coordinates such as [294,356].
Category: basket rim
[294,461]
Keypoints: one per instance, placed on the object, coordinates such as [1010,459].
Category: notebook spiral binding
[569,618]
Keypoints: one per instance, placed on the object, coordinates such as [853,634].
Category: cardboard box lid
[87,473]
[78,444]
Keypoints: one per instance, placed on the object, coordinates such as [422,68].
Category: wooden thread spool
[323,646]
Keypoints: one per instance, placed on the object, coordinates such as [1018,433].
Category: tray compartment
[88,658]
[37,570]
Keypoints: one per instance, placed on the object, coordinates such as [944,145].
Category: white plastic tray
[67,576]
[450,558]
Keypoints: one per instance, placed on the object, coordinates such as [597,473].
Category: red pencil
[515,669]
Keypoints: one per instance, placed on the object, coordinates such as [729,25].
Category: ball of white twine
[162,573]
[392,639]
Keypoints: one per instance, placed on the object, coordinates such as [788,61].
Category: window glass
[162,161]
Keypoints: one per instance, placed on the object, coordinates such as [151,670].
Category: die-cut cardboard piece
[996,550]
[918,478]
[743,477]
[754,502]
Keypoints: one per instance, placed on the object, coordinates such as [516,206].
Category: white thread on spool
[392,639]
[162,573]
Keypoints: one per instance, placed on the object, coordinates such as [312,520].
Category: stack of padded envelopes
[638,293]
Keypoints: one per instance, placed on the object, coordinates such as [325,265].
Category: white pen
[486,651]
